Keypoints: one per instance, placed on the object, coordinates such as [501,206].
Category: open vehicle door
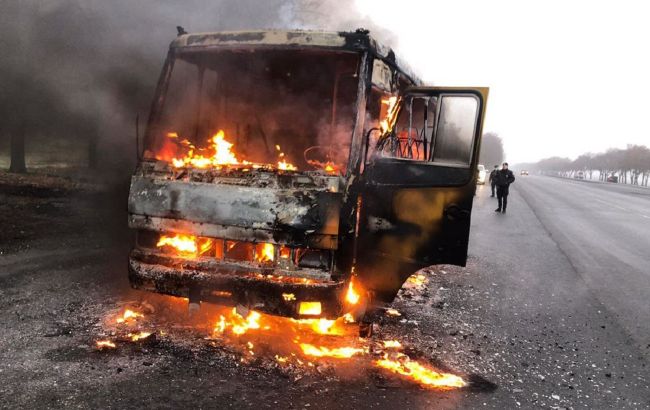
[417,187]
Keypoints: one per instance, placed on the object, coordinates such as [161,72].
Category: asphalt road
[549,313]
[604,231]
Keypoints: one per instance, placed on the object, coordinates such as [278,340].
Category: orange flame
[418,280]
[139,336]
[389,114]
[335,352]
[392,344]
[187,245]
[237,323]
[103,344]
[413,370]
[352,296]
[265,252]
[221,154]
[129,316]
[322,326]
[292,331]
[286,166]
[309,308]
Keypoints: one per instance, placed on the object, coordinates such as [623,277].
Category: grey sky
[565,77]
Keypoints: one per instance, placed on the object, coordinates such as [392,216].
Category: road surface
[604,231]
[551,312]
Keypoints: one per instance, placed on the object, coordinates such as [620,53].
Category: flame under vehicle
[299,173]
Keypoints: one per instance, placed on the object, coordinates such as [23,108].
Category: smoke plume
[77,72]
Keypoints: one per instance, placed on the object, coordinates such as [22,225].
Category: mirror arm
[138,154]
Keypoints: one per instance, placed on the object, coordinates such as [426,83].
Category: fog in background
[565,77]
[77,72]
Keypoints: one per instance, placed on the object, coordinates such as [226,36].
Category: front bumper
[231,284]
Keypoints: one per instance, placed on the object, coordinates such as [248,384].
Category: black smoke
[79,71]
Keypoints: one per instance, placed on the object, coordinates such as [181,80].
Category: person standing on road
[492,179]
[504,177]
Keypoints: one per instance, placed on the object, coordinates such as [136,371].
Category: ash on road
[528,314]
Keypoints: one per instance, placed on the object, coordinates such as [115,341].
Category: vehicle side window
[455,129]
[413,131]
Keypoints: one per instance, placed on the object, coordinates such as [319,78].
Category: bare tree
[630,165]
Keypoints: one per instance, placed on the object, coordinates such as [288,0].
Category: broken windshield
[287,109]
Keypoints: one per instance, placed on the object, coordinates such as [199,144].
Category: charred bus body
[279,166]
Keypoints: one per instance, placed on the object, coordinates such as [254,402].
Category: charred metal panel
[415,213]
[226,266]
[261,38]
[406,229]
[220,210]
[359,40]
[261,293]
[405,172]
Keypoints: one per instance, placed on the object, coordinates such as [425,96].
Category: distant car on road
[579,175]
[482,174]
[524,172]
[612,178]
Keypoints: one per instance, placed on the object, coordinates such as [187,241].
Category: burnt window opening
[376,110]
[412,136]
[272,105]
[433,129]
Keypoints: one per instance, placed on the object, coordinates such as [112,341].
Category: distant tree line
[491,150]
[630,165]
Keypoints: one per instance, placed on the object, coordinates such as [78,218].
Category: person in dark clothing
[504,177]
[492,179]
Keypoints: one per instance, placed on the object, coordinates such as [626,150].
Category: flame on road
[237,324]
[412,370]
[296,343]
[418,280]
[392,344]
[129,316]
[105,344]
[305,343]
[139,336]
[335,352]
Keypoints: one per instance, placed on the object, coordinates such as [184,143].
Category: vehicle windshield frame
[176,53]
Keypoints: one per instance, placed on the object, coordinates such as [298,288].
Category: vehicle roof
[358,40]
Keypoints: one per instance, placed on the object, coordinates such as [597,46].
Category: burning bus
[299,173]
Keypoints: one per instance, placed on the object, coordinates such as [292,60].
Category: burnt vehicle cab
[301,174]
